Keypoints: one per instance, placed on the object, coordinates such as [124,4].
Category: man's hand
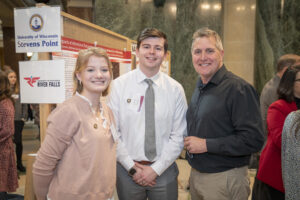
[195,145]
[145,175]
[138,174]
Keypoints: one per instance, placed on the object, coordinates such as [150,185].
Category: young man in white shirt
[144,173]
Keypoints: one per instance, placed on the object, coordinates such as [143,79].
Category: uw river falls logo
[31,80]
[42,83]
[36,22]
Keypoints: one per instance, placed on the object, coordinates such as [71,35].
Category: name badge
[135,102]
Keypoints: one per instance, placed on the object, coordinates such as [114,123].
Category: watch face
[132,171]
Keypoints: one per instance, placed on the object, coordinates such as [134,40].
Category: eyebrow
[153,45]
[205,48]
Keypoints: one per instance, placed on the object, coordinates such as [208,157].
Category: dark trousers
[262,191]
[19,125]
[3,196]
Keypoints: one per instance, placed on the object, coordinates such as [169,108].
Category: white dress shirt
[127,103]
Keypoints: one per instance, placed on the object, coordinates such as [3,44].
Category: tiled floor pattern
[31,145]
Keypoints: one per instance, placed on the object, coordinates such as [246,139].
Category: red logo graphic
[31,80]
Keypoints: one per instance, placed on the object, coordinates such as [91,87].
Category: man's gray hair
[206,32]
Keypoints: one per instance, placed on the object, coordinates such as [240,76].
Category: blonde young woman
[20,116]
[77,159]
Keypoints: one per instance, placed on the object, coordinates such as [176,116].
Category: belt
[144,162]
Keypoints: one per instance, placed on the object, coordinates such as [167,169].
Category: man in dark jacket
[223,122]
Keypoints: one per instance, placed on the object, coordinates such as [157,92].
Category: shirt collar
[84,98]
[141,77]
[277,77]
[216,79]
[104,124]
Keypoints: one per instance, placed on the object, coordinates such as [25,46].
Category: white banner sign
[37,29]
[42,81]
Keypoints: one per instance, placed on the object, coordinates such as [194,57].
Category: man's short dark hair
[152,32]
[286,86]
[286,60]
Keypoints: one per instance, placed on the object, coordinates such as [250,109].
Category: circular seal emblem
[36,22]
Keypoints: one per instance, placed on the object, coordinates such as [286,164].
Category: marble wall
[192,15]
[255,33]
[177,18]
[239,37]
[277,33]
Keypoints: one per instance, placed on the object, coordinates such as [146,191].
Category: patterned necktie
[150,144]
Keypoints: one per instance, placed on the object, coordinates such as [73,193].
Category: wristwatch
[132,171]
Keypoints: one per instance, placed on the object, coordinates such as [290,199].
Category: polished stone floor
[31,144]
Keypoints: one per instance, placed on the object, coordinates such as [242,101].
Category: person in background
[290,154]
[149,108]
[6,68]
[77,159]
[36,114]
[20,117]
[268,184]
[8,169]
[30,115]
[223,122]
[269,92]
[269,95]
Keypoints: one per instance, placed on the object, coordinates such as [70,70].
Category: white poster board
[70,58]
[37,29]
[42,81]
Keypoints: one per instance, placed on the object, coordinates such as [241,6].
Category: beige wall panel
[239,37]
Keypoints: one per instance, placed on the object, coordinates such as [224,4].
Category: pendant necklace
[96,114]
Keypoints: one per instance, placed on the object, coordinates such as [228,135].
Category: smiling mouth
[204,64]
[99,82]
[151,58]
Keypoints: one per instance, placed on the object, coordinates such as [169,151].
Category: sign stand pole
[45,109]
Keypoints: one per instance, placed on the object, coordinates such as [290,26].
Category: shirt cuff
[212,145]
[127,163]
[158,167]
